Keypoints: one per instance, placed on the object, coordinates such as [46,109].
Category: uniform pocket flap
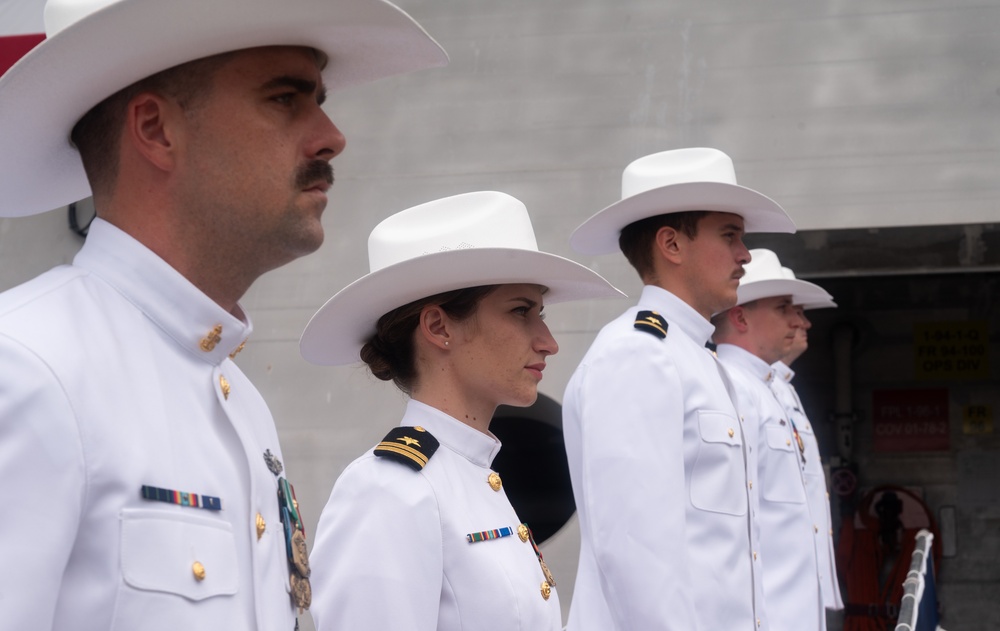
[188,555]
[779,438]
[719,427]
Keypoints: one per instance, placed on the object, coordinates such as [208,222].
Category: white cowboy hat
[677,181]
[824,303]
[764,277]
[481,238]
[96,47]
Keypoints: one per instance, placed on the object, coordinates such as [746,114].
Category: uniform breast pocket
[171,562]
[718,477]
[782,479]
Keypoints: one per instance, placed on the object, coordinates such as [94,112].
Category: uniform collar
[678,312]
[747,360]
[472,444]
[192,319]
[784,371]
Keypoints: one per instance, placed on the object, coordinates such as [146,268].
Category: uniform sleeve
[378,559]
[42,489]
[631,415]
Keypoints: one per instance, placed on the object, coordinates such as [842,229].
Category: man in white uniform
[655,444]
[751,336]
[814,473]
[143,478]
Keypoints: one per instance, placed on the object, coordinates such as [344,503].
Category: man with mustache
[756,333]
[143,472]
[656,448]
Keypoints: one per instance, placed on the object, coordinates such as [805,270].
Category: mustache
[312,172]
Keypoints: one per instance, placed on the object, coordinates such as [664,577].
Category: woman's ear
[435,326]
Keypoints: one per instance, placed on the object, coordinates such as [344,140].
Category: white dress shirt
[392,550]
[656,456]
[115,373]
[791,575]
[816,487]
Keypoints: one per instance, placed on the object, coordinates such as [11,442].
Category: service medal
[301,592]
[300,555]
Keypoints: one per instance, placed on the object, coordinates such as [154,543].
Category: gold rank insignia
[211,339]
[651,322]
[412,446]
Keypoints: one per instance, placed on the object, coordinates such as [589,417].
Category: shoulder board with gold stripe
[651,322]
[412,446]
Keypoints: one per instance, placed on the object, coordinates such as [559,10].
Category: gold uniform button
[522,533]
[199,571]
[732,432]
[788,443]
[261,526]
[546,590]
[754,556]
[494,480]
[224,386]
[751,484]
[758,622]
[831,532]
[419,429]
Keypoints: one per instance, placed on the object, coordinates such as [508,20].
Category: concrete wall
[848,113]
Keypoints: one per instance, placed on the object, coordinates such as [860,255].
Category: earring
[447,343]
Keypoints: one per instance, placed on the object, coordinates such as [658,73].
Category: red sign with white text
[910,420]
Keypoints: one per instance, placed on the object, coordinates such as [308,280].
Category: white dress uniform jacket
[656,456]
[816,487]
[391,549]
[791,575]
[115,374]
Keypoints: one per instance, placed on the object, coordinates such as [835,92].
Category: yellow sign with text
[977,419]
[952,351]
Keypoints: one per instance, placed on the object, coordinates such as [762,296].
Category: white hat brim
[599,234]
[336,333]
[801,291]
[45,93]
[818,304]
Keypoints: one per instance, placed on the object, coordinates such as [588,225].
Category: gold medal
[546,590]
[300,555]
[301,592]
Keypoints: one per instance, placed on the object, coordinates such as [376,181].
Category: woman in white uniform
[418,533]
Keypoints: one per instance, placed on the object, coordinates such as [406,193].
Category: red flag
[21,28]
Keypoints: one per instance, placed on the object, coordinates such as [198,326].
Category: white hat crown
[765,277]
[483,219]
[811,302]
[679,180]
[680,166]
[468,240]
[763,265]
